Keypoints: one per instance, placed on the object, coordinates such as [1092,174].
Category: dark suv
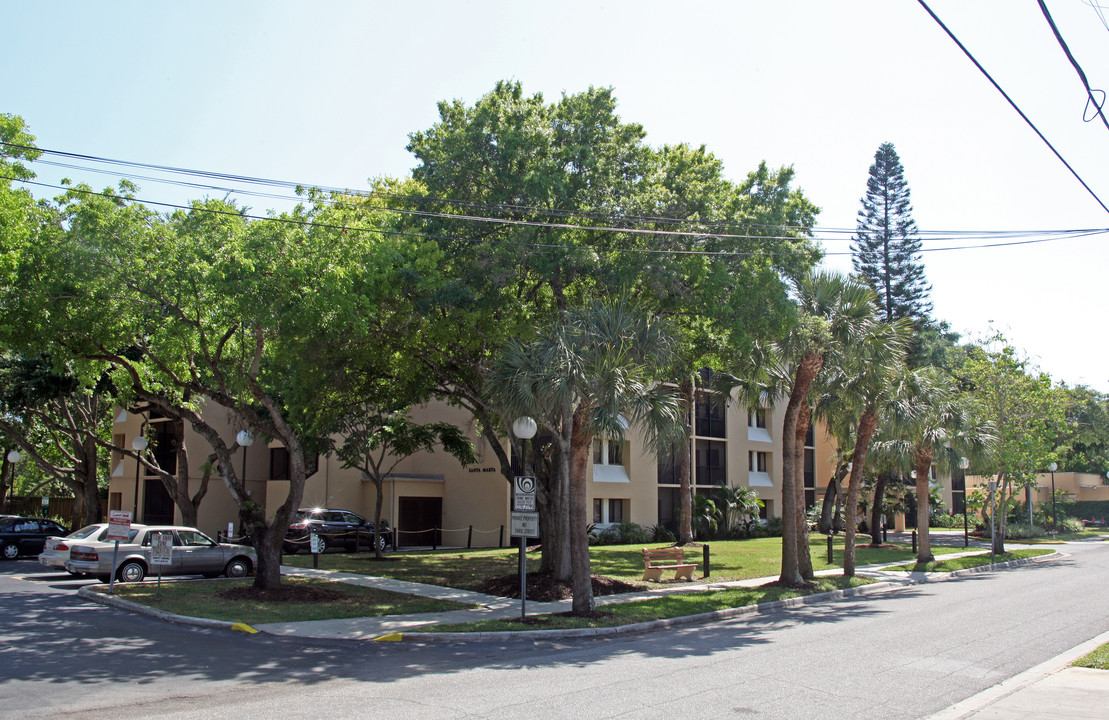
[334,528]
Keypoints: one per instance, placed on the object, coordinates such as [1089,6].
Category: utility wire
[927,235]
[1014,105]
[1074,63]
[1055,236]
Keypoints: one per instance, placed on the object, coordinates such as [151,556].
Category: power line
[1013,104]
[1051,235]
[928,235]
[1074,63]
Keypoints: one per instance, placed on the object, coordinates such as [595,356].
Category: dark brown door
[419,520]
[157,505]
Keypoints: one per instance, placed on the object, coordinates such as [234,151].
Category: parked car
[334,527]
[26,536]
[56,550]
[193,553]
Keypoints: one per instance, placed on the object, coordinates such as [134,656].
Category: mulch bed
[544,588]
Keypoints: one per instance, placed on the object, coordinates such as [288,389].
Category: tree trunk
[868,423]
[923,458]
[806,373]
[581,573]
[685,478]
[804,555]
[828,506]
[876,510]
[1000,514]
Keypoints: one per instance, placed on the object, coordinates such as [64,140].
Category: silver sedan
[191,553]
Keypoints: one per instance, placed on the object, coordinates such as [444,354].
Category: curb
[726,614]
[87,593]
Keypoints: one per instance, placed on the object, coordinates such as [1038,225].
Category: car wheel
[10,551]
[131,571]
[237,568]
[322,544]
[381,542]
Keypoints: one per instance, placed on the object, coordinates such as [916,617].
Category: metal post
[830,556]
[705,560]
[500,538]
[966,531]
[1054,514]
[434,538]
[523,577]
[914,542]
[993,518]
[470,538]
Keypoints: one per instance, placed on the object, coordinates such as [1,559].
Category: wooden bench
[671,558]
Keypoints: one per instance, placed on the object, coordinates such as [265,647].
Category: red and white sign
[119,525]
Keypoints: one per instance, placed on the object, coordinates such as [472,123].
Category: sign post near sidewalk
[525,524]
[119,529]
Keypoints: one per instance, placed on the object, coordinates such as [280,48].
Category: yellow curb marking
[243,627]
[391,637]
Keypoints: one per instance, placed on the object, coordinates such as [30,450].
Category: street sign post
[161,553]
[119,529]
[525,525]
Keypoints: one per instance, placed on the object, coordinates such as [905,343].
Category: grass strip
[663,607]
[1098,659]
[729,560]
[969,561]
[199,598]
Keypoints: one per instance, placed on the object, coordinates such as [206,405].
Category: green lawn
[969,561]
[729,560]
[198,598]
[1098,659]
[669,606]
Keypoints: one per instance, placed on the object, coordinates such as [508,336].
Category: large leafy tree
[1027,415]
[577,206]
[886,247]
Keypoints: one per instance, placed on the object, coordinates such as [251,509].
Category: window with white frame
[758,461]
[609,510]
[757,418]
[608,452]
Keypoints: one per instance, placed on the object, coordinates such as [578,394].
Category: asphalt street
[906,653]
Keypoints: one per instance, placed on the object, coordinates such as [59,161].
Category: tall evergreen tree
[886,248]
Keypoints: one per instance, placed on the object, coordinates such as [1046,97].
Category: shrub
[943,520]
[1023,531]
[1070,525]
[625,533]
[662,534]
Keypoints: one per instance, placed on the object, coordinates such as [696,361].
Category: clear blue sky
[327,92]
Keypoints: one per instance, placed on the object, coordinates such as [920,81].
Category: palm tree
[836,313]
[935,426]
[865,383]
[581,379]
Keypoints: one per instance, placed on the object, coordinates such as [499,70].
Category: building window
[710,415]
[711,469]
[279,463]
[757,418]
[669,468]
[609,511]
[608,452]
[165,441]
[758,461]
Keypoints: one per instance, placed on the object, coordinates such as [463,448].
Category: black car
[334,528]
[26,536]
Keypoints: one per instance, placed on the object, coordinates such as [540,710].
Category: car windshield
[84,532]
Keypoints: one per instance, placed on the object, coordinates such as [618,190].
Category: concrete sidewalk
[1050,691]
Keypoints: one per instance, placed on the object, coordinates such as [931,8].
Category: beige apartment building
[431,497]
